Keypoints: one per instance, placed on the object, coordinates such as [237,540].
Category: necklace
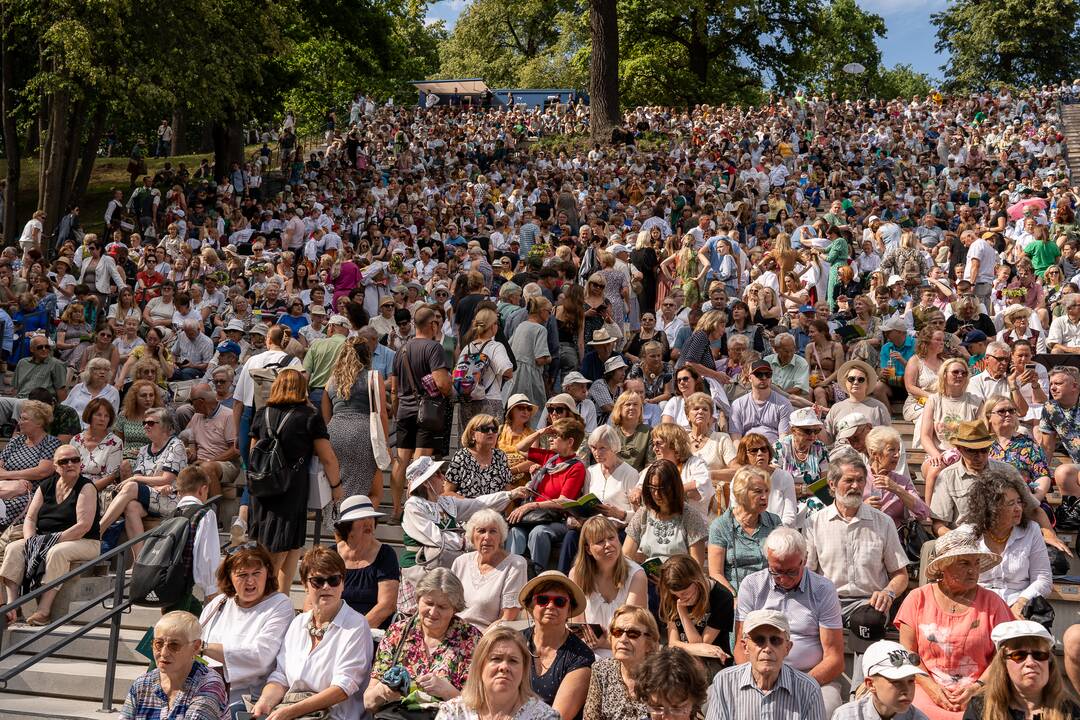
[956,601]
[697,441]
[314,630]
[999,539]
[801,455]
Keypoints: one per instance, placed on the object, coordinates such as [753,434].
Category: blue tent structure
[474,91]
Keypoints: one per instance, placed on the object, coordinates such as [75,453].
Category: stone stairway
[1070,120]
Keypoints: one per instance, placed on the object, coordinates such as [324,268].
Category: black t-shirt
[362,584]
[961,327]
[720,615]
[466,309]
[425,356]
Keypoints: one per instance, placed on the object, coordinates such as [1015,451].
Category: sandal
[38,620]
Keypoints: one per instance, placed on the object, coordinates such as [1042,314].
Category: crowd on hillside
[743,391]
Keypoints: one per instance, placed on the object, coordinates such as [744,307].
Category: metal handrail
[119,606]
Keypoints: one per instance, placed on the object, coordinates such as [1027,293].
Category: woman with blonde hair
[714,447]
[479,467]
[921,371]
[483,366]
[608,578]
[346,409]
[499,682]
[697,352]
[737,537]
[754,450]
[627,418]
[670,442]
[71,334]
[688,271]
[945,410]
[634,636]
[143,395]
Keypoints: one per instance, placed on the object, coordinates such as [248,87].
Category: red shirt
[566,483]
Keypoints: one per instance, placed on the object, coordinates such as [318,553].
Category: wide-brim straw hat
[863,367]
[960,542]
[577,596]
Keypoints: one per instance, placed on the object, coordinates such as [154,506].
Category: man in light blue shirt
[382,357]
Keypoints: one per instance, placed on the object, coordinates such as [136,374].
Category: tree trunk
[81,180]
[179,127]
[604,112]
[699,55]
[228,145]
[12,151]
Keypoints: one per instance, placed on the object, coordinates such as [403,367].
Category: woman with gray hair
[95,383]
[491,576]
[434,646]
[1005,516]
[148,487]
[887,490]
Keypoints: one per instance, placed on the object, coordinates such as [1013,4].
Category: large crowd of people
[748,393]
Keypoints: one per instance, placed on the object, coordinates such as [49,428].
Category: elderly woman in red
[561,475]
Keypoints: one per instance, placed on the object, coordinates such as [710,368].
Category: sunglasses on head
[543,600]
[318,581]
[249,545]
[898,659]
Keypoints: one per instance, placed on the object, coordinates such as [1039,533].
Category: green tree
[902,81]
[847,34]
[1018,42]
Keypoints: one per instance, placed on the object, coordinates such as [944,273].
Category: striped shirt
[809,606]
[863,709]
[734,696]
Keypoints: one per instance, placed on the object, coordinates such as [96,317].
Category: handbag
[431,413]
[378,438]
[912,537]
[398,678]
[291,698]
[1039,610]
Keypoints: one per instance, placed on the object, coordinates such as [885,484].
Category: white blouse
[1024,570]
[488,594]
[612,489]
[250,638]
[600,611]
[343,659]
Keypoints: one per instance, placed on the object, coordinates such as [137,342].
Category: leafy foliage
[1017,42]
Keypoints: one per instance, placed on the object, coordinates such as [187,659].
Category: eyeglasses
[1019,656]
[487,429]
[543,600]
[656,713]
[69,461]
[856,379]
[959,373]
[765,640]
[149,423]
[999,358]
[170,645]
[786,573]
[39,347]
[318,581]
[756,450]
[632,633]
[684,379]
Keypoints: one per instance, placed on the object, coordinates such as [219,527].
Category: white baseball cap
[891,660]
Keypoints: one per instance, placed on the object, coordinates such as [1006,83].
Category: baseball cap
[772,618]
[339,320]
[229,347]
[974,336]
[891,660]
[849,425]
[867,623]
[759,365]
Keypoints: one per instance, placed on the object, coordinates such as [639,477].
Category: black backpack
[269,473]
[162,575]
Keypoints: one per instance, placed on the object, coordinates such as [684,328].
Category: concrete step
[15,706]
[78,679]
[95,644]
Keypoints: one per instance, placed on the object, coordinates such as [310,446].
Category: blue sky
[910,38]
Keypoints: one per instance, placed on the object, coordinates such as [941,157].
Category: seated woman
[535,525]
[148,487]
[25,461]
[755,451]
[634,636]
[499,682]
[101,451]
[60,530]
[666,525]
[714,447]
[519,411]
[671,683]
[951,404]
[372,575]
[562,670]
[951,605]
[608,579]
[1024,680]
[143,396]
[1012,447]
[670,442]
[889,491]
[699,612]
[479,467]
[177,675]
[655,374]
[243,627]
[491,576]
[1004,515]
[95,384]
[803,455]
[737,538]
[435,647]
[330,678]
[635,434]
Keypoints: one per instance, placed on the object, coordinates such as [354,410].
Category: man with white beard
[858,548]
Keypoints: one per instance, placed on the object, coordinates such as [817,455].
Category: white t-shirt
[245,386]
[491,379]
[988,258]
[27,240]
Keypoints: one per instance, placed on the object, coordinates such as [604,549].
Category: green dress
[837,254]
[688,273]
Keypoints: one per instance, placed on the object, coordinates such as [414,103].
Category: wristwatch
[890,593]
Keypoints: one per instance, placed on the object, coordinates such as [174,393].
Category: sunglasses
[764,640]
[69,461]
[318,581]
[684,379]
[756,450]
[856,379]
[560,409]
[632,633]
[1006,412]
[543,600]
[172,646]
[149,423]
[1019,656]
[249,545]
[762,375]
[898,659]
[487,428]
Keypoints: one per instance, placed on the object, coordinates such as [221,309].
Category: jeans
[243,438]
[569,551]
[537,540]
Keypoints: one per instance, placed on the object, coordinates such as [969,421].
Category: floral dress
[1023,454]
[451,661]
[472,480]
[17,455]
[806,471]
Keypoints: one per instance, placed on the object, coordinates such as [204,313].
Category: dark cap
[759,365]
[975,336]
[867,624]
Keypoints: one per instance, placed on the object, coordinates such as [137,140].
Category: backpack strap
[272,432]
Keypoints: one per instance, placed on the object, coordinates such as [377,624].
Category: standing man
[982,260]
[764,686]
[418,359]
[321,356]
[1060,421]
[164,141]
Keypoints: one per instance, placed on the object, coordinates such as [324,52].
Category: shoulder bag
[431,411]
[378,438]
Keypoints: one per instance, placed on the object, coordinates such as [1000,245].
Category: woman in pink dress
[947,623]
[346,279]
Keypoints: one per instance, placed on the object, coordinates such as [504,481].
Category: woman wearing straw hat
[1017,320]
[947,622]
[1024,680]
[372,575]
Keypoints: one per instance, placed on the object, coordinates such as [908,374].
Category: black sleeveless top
[55,517]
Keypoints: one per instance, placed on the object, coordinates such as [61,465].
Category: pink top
[344,283]
[955,649]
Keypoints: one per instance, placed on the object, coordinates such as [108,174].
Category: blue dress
[27,322]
